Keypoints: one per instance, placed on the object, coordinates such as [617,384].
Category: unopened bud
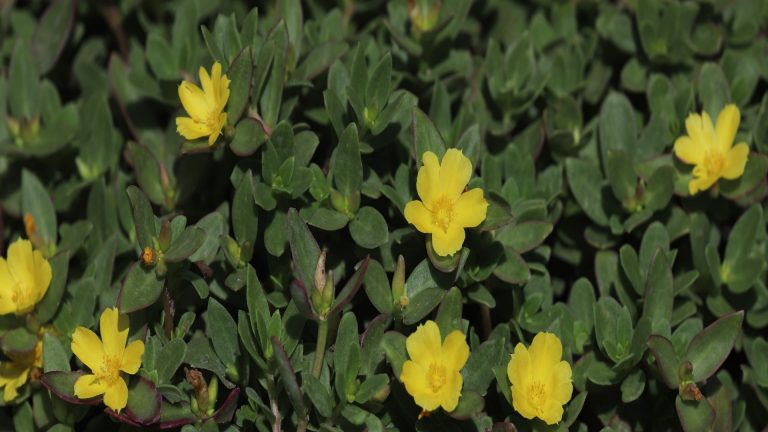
[165,235]
[685,371]
[398,281]
[320,271]
[195,379]
[213,392]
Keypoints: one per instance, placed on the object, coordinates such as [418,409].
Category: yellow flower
[205,107]
[107,359]
[541,382]
[433,373]
[445,209]
[710,148]
[24,278]
[14,374]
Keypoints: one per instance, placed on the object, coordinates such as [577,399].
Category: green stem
[322,337]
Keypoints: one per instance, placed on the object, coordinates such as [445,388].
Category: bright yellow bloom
[24,278]
[107,357]
[445,209]
[205,107]
[14,374]
[541,381]
[433,373]
[710,148]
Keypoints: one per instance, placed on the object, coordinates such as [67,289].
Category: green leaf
[144,402]
[513,268]
[369,228]
[617,126]
[36,201]
[55,357]
[304,248]
[143,217]
[709,349]
[160,56]
[621,174]
[478,372]
[140,290]
[586,184]
[245,217]
[239,73]
[659,291]
[694,415]
[632,386]
[713,89]
[185,244]
[377,91]
[288,377]
[377,288]
[319,395]
[470,404]
[18,341]
[448,316]
[346,355]
[346,164]
[52,33]
[421,304]
[170,358]
[425,136]
[370,387]
[49,305]
[249,137]
[23,85]
[525,236]
[743,235]
[393,345]
[222,330]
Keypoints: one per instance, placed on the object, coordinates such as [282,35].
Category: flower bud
[320,271]
[148,256]
[165,235]
[398,283]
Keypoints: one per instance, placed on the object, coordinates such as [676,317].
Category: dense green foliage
[273,276]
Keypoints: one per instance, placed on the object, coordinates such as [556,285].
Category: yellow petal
[735,161]
[455,351]
[193,100]
[470,209]
[7,282]
[12,376]
[451,391]
[114,332]
[215,132]
[727,125]
[545,351]
[418,215]
[448,242]
[701,184]
[521,404]
[700,129]
[116,396]
[88,386]
[455,171]
[688,151]
[414,377]
[428,180]
[519,367]
[424,344]
[206,81]
[560,386]
[31,272]
[190,129]
[552,414]
[88,348]
[132,357]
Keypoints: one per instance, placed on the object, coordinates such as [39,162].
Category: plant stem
[322,336]
[168,309]
[276,426]
[487,325]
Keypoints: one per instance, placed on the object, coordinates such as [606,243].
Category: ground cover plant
[370,215]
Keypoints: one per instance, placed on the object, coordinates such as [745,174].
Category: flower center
[714,162]
[436,376]
[442,213]
[537,395]
[110,369]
